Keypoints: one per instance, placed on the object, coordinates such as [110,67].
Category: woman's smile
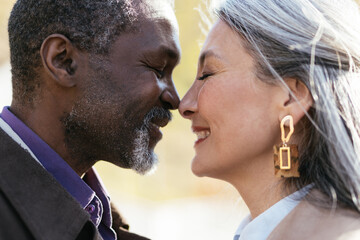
[228,107]
[202,134]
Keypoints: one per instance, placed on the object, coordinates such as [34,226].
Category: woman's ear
[298,102]
[58,57]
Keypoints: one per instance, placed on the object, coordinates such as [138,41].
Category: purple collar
[85,190]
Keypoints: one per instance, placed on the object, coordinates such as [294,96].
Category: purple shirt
[89,191]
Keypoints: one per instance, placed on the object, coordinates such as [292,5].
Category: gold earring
[286,157]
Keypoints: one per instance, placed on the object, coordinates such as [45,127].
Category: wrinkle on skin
[118,102]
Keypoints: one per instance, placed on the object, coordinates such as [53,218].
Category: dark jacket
[33,205]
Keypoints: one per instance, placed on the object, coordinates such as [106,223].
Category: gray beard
[130,150]
[142,160]
[90,138]
[121,137]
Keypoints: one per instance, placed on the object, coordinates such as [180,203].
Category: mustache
[158,115]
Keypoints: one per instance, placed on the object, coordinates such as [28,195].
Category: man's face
[126,97]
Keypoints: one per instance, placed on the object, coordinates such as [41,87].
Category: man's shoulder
[11,224]
[37,206]
[309,221]
[36,203]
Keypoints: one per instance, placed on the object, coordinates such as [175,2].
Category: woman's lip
[199,141]
[199,129]
[196,130]
[201,137]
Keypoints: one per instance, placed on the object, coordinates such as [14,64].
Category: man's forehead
[158,10]
[152,37]
[156,31]
[161,37]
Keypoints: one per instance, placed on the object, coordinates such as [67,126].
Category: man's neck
[50,129]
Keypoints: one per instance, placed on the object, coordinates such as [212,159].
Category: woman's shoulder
[308,221]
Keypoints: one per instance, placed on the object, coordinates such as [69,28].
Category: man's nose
[170,97]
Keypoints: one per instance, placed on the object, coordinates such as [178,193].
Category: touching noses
[188,105]
[170,97]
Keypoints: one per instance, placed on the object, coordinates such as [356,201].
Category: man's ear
[58,57]
[299,101]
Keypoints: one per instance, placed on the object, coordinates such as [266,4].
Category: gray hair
[318,43]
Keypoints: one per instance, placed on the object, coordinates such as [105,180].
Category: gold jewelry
[286,157]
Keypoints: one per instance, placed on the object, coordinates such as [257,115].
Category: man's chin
[150,171]
[145,164]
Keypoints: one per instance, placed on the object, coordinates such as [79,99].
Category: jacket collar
[48,210]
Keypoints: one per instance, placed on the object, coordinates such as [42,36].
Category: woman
[276,108]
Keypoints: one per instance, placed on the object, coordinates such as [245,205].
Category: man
[92,80]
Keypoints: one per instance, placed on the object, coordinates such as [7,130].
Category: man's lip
[155,135]
[160,122]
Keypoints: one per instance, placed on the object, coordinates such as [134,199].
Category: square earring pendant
[286,166]
[285,158]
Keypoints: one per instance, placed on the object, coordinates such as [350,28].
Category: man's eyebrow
[163,51]
[172,53]
[207,54]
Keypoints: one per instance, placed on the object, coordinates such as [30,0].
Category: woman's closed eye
[204,76]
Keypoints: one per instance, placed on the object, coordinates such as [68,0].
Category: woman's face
[233,113]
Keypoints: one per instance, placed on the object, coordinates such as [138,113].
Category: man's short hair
[91,25]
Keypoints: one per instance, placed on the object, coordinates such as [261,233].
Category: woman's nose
[188,105]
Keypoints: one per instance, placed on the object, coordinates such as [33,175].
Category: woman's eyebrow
[207,54]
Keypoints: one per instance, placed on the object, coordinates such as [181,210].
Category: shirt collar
[93,180]
[85,191]
[265,223]
[51,161]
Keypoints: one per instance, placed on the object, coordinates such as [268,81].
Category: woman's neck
[258,186]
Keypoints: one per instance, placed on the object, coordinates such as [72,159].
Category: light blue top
[261,227]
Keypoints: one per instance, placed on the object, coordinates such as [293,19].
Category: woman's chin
[197,168]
